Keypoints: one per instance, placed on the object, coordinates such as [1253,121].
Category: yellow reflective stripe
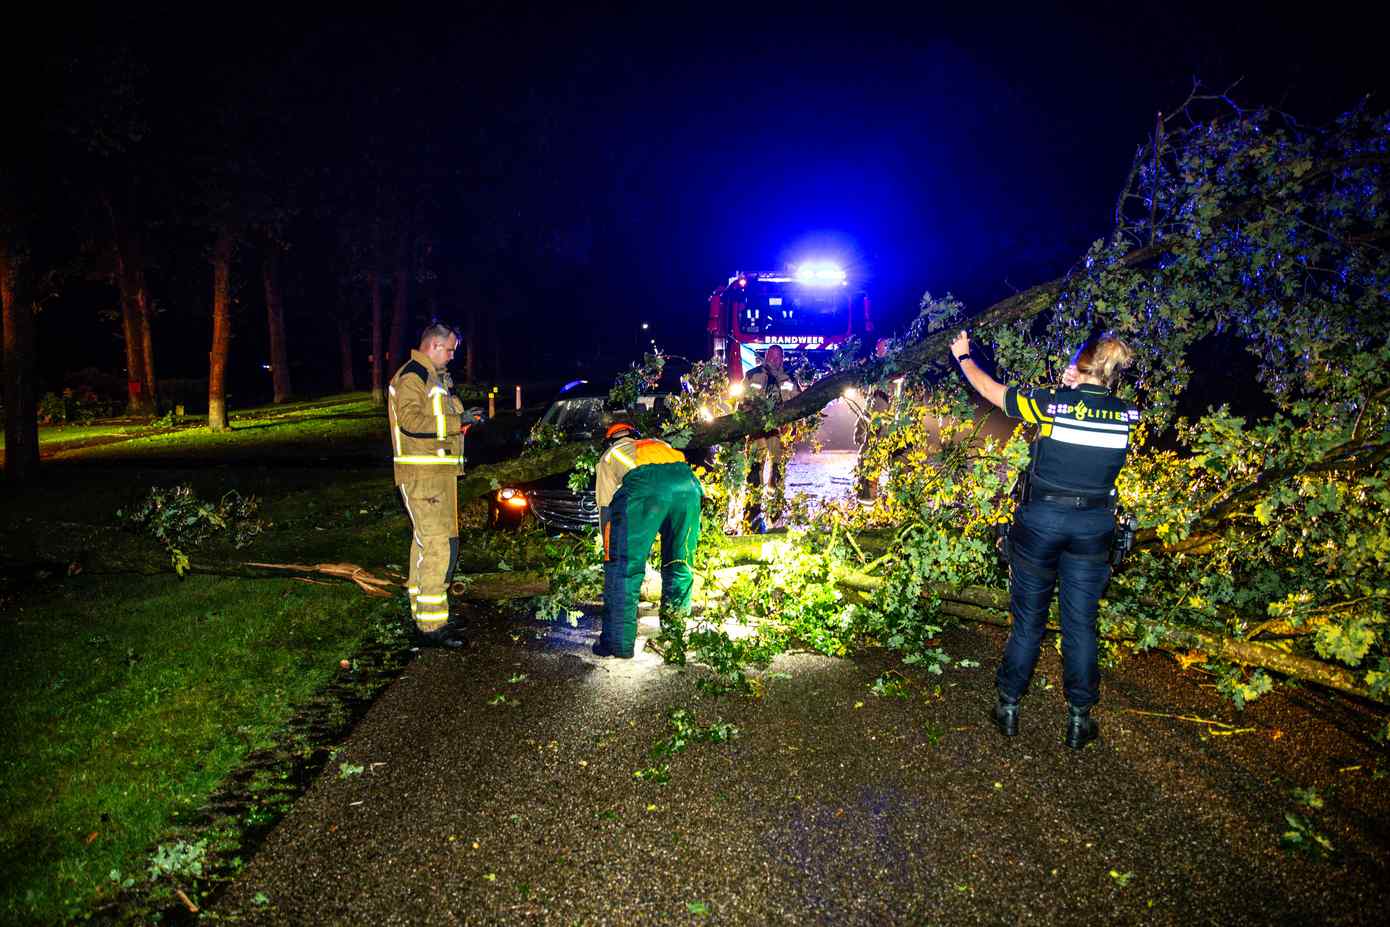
[432,616]
[618,453]
[438,415]
[421,459]
[432,599]
[395,431]
[1047,431]
[413,590]
[1024,409]
[1037,410]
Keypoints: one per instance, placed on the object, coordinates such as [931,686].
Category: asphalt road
[497,787]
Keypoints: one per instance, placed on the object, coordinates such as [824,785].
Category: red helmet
[618,429]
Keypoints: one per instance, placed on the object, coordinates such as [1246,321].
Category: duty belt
[1071,501]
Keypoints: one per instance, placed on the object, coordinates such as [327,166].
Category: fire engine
[810,311]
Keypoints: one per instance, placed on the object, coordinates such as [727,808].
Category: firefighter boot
[449,637]
[1081,727]
[1005,715]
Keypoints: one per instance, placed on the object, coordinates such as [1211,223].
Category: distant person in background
[1064,524]
[769,378]
[427,426]
[878,401]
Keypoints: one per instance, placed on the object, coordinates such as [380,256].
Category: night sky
[575,175]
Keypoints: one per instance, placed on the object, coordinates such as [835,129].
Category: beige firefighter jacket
[427,421]
[780,383]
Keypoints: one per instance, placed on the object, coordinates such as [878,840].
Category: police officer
[644,488]
[427,426]
[1064,524]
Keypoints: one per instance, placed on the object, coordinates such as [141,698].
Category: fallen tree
[991,606]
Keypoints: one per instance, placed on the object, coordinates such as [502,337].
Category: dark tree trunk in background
[470,342]
[378,378]
[401,302]
[495,343]
[146,316]
[275,318]
[21,391]
[221,330]
[345,353]
[345,317]
[135,315]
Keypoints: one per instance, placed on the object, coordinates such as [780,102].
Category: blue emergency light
[820,273]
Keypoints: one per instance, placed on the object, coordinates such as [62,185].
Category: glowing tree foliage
[1236,225]
[1264,542]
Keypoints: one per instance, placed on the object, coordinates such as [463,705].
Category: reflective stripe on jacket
[779,384]
[624,456]
[426,421]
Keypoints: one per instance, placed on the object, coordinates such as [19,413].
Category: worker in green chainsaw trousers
[644,488]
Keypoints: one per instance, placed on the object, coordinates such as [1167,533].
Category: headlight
[736,389]
[512,497]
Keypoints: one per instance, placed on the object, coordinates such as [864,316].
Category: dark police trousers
[1051,546]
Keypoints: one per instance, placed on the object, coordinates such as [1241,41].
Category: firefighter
[1064,525]
[644,488]
[428,423]
[769,378]
[866,428]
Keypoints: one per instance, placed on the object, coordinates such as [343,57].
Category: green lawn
[129,698]
[55,436]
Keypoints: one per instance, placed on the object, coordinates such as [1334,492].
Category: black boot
[1005,716]
[1081,727]
[449,637]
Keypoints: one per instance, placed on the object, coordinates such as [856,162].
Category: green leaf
[1349,641]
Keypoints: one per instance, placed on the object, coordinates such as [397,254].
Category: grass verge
[130,700]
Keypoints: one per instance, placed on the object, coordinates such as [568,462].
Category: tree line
[172,182]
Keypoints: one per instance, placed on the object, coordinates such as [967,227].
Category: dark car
[576,414]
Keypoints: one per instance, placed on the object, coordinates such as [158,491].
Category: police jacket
[427,421]
[622,457]
[1083,436]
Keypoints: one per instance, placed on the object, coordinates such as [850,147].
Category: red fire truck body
[810,312]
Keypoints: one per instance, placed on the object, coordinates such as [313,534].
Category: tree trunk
[135,322]
[400,299]
[21,393]
[470,345]
[146,319]
[349,380]
[495,343]
[139,401]
[221,330]
[378,376]
[975,603]
[275,319]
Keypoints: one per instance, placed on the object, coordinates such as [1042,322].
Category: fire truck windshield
[785,308]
